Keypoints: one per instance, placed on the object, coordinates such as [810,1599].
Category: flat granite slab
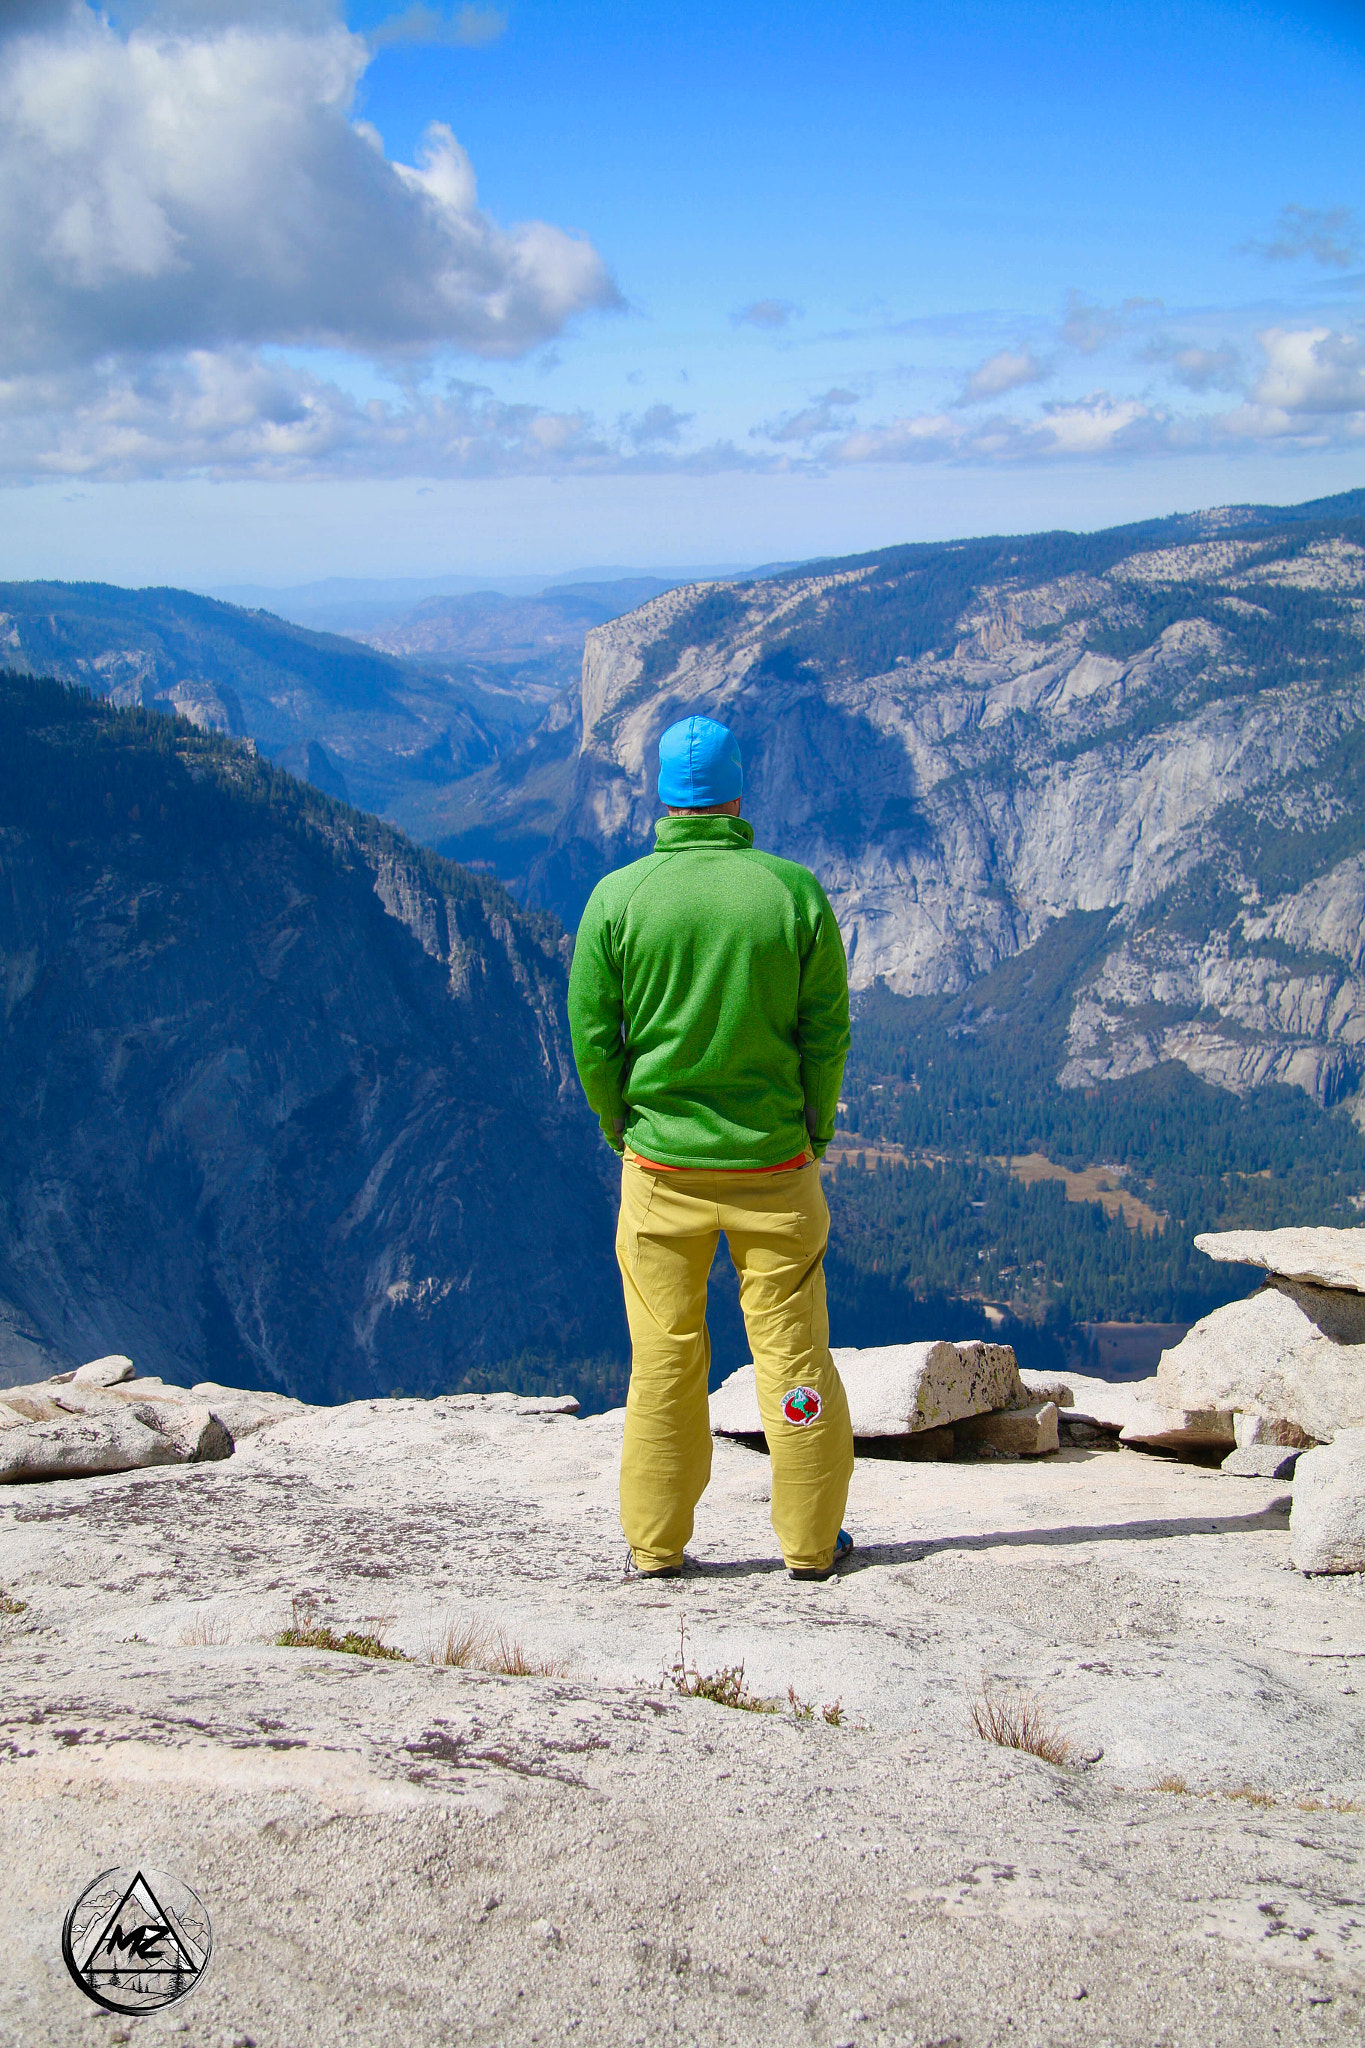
[456,1857]
[1324,1256]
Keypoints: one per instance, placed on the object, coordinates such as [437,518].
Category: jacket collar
[672,834]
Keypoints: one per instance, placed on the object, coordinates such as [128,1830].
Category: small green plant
[11,1606]
[727,1687]
[802,1710]
[1016,1720]
[306,1632]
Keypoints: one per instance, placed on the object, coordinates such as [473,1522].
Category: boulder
[1021,1432]
[63,1428]
[894,1389]
[112,1371]
[1323,1257]
[1260,1461]
[113,1440]
[105,1372]
[1292,1352]
[243,1412]
[198,1435]
[1327,1520]
[1107,1405]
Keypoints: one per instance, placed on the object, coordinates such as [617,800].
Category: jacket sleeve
[595,1019]
[822,1021]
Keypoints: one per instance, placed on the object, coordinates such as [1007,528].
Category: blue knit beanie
[699,765]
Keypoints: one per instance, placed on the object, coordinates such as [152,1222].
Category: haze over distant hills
[352,604]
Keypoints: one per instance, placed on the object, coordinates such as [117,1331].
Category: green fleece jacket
[708,1002]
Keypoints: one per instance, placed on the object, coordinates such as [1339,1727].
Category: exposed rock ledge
[589,1857]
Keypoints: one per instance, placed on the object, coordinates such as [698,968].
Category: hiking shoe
[843,1548]
[667,1571]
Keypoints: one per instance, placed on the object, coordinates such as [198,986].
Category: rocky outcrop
[1322,1257]
[103,1418]
[1013,1432]
[1292,1354]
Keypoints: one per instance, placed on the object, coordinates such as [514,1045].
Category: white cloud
[1198,369]
[1330,235]
[1313,370]
[768,313]
[825,415]
[1096,426]
[231,414]
[468,27]
[1311,391]
[1087,326]
[1007,370]
[165,191]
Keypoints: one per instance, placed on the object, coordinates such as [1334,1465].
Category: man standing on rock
[709,1008]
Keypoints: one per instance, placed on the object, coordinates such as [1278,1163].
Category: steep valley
[284,1100]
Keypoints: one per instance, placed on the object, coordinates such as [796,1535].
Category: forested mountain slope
[283,1100]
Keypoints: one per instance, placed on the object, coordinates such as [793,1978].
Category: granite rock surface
[593,1855]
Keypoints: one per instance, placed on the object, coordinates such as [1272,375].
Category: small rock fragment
[1024,1432]
[1261,1461]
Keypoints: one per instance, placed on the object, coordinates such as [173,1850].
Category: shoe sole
[813,1577]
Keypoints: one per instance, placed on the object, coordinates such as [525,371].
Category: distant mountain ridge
[969,741]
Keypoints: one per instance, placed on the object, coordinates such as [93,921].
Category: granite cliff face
[973,741]
[284,1100]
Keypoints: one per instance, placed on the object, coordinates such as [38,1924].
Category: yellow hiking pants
[777,1226]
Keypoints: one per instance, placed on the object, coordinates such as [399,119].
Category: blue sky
[804,279]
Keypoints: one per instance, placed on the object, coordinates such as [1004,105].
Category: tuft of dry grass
[204,1632]
[1171,1782]
[9,1606]
[1251,1794]
[468,1646]
[460,1648]
[1018,1720]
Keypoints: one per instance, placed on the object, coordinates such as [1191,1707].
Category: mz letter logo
[136,1940]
